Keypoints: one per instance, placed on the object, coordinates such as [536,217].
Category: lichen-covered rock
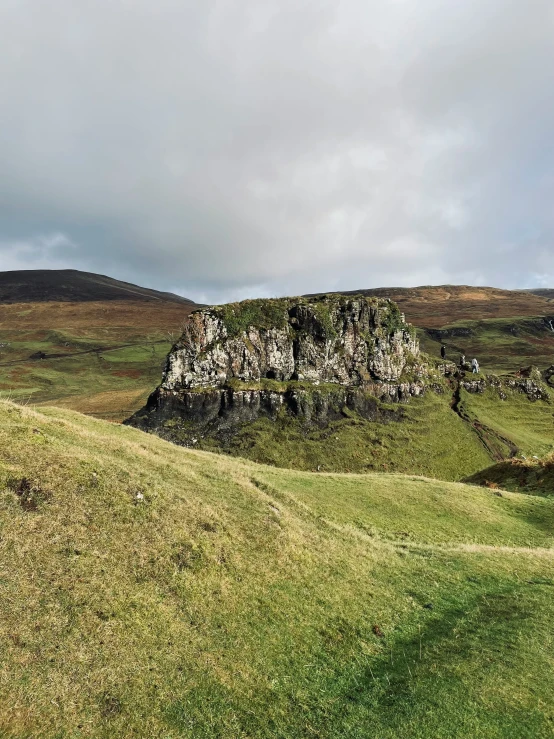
[309,357]
[447,369]
[349,341]
[528,383]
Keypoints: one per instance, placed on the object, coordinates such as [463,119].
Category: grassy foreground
[152,591]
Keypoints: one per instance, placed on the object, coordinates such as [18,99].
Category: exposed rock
[448,369]
[222,409]
[533,389]
[475,386]
[531,373]
[330,339]
[312,358]
[528,381]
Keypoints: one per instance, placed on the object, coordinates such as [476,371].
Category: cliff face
[349,342]
[310,357]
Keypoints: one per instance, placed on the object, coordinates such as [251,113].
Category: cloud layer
[234,148]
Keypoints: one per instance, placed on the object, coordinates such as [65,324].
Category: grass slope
[522,476]
[501,344]
[427,438]
[148,590]
[528,425]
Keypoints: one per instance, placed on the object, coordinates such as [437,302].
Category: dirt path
[95,350]
[489,438]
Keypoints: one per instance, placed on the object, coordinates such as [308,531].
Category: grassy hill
[84,341]
[423,437]
[501,344]
[149,590]
[529,426]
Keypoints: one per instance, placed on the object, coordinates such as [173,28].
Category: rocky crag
[309,357]
[528,381]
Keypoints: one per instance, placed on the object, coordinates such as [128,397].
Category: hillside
[425,436]
[437,306]
[150,590]
[71,285]
[534,476]
[84,341]
[505,329]
[543,292]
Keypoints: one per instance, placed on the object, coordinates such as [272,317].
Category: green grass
[237,600]
[522,476]
[500,344]
[95,365]
[262,313]
[427,438]
[452,514]
[529,425]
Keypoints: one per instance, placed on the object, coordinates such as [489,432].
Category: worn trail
[66,355]
[493,442]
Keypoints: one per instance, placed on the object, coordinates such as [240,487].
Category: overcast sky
[236,148]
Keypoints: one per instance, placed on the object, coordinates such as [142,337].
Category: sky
[227,149]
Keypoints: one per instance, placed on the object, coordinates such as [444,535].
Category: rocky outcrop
[548,375]
[330,339]
[310,357]
[527,381]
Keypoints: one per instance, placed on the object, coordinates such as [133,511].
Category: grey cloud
[227,149]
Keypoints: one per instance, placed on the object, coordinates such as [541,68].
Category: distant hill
[543,292]
[71,285]
[437,306]
[83,340]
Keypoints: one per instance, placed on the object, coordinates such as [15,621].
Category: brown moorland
[59,345]
[438,306]
[504,329]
